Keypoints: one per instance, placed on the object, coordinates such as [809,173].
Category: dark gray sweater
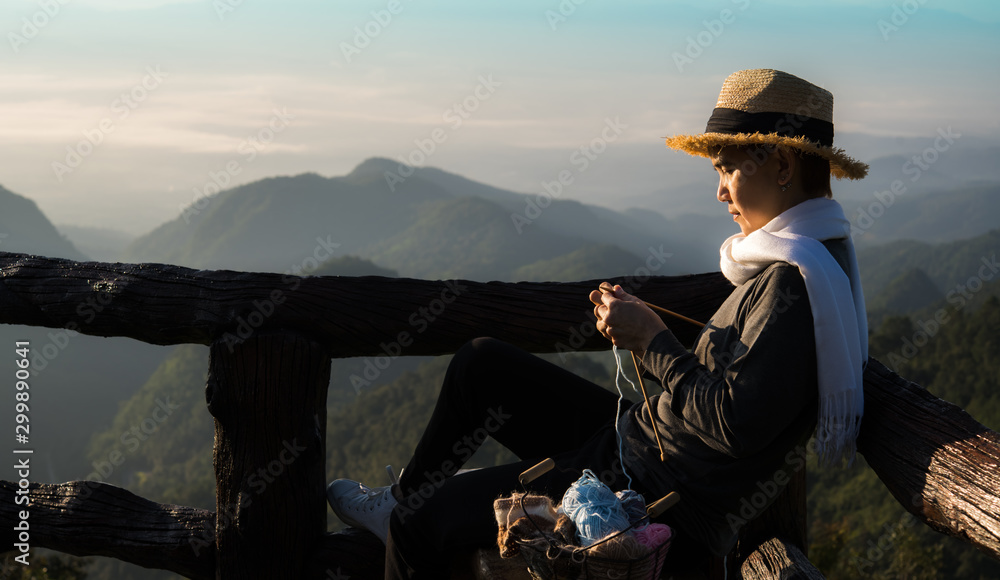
[736,412]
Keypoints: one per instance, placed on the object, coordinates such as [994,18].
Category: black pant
[532,407]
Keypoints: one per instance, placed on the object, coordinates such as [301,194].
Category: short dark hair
[815,173]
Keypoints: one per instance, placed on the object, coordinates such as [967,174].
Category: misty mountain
[466,237]
[596,224]
[431,224]
[24,228]
[882,171]
[951,266]
[100,244]
[933,189]
[940,215]
[924,167]
[74,389]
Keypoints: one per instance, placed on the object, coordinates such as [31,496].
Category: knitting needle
[652,416]
[536,471]
[663,504]
[605,288]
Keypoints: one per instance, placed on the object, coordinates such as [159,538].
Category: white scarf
[838,309]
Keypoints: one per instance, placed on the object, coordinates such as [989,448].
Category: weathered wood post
[775,543]
[268,396]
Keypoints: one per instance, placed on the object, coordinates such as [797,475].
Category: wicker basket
[548,560]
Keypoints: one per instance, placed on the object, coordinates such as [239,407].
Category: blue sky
[232,70]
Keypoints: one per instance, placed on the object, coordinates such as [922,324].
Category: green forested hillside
[587,263]
[163,433]
[907,292]
[948,265]
[951,347]
[45,567]
[955,355]
[857,529]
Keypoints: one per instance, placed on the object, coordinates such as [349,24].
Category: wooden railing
[271,340]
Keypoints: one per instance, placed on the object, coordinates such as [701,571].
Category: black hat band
[733,121]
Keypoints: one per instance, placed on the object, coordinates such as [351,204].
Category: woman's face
[749,184]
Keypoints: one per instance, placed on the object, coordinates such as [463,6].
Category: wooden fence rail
[352,316]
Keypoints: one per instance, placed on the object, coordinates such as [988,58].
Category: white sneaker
[360,506]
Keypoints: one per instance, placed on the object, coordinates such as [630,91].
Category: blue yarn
[633,504]
[594,508]
[618,411]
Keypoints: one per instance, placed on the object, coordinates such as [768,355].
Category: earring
[784,187]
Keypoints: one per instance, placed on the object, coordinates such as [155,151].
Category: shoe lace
[373,498]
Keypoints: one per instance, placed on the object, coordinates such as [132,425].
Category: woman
[780,359]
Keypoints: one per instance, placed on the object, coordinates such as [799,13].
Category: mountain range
[432,224]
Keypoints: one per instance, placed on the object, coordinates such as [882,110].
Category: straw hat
[772,107]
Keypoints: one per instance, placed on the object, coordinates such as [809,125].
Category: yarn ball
[623,547]
[594,508]
[633,504]
[653,535]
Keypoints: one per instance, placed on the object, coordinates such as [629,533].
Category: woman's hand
[625,320]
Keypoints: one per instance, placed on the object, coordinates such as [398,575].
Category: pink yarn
[653,535]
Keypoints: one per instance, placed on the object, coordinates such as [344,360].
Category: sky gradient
[166,95]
